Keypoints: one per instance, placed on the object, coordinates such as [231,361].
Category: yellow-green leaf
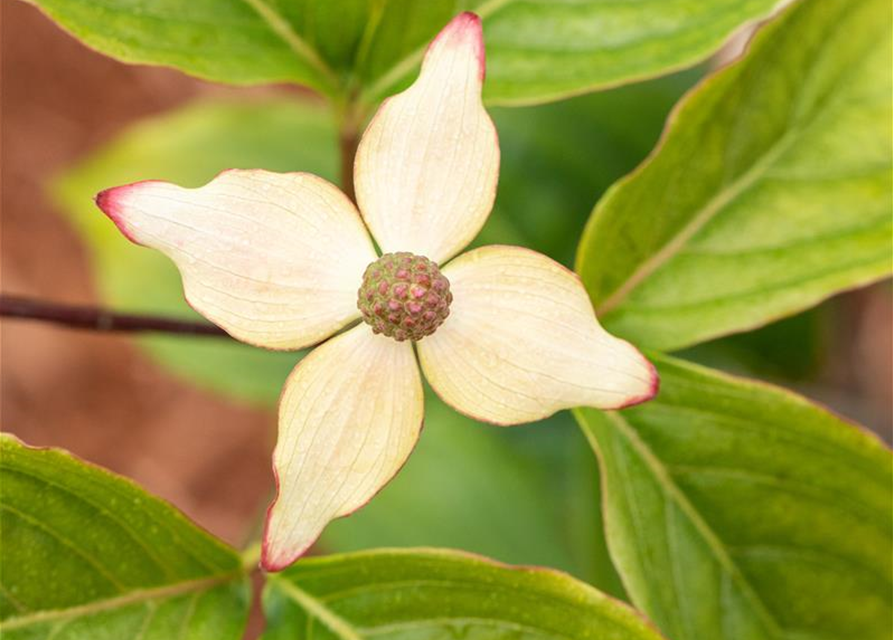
[770,191]
[739,511]
[87,554]
[423,594]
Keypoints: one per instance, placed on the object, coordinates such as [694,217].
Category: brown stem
[97,319]
[349,140]
[350,119]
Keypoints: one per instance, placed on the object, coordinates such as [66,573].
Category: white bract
[277,260]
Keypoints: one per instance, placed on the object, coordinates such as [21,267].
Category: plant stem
[98,319]
[285,30]
[348,141]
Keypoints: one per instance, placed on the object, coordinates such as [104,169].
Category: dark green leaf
[770,191]
[89,555]
[737,511]
[234,41]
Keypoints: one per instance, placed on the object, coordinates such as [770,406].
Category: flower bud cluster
[404,296]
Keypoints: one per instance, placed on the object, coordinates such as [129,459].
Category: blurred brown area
[93,394]
[858,380]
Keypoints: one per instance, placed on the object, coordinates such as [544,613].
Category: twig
[349,140]
[350,118]
[98,319]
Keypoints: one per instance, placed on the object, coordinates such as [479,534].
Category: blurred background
[193,419]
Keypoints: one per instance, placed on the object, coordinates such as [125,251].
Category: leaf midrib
[798,124]
[145,596]
[282,28]
[717,203]
[676,495]
[406,64]
[317,609]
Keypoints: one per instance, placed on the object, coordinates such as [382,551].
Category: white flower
[277,261]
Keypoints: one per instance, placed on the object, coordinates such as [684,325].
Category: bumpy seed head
[404,296]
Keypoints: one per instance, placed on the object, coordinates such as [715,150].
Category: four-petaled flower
[283,261]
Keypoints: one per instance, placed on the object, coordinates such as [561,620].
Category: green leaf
[427,593]
[234,41]
[538,51]
[189,147]
[89,555]
[736,511]
[541,50]
[770,191]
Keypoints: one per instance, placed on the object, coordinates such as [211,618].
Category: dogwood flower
[283,261]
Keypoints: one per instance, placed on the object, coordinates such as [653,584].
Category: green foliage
[89,555]
[537,50]
[426,594]
[544,50]
[235,41]
[770,191]
[736,510]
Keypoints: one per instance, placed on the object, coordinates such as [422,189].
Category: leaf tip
[275,557]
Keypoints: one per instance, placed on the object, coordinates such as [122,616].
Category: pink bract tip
[109,202]
[463,30]
[648,395]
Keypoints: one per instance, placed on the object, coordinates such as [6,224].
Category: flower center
[404,296]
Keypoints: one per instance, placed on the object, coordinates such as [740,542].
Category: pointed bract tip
[653,388]
[103,200]
[267,563]
[108,202]
[468,19]
[272,562]
[464,30]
